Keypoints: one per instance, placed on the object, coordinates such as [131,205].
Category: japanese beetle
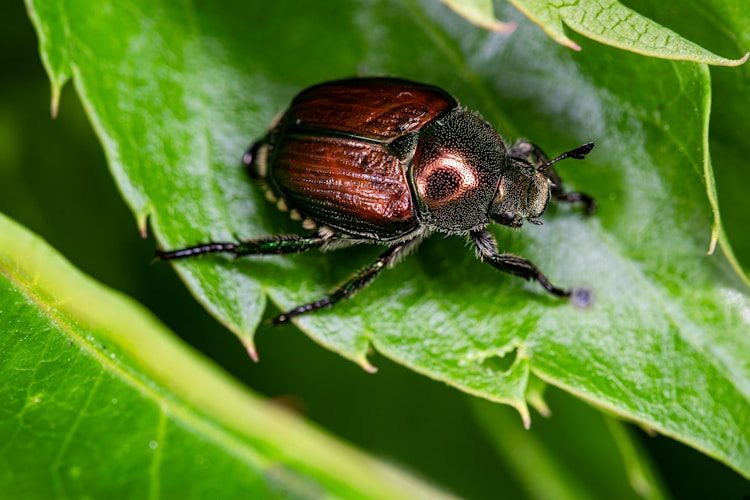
[389,161]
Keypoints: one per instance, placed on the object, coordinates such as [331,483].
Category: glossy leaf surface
[178,92]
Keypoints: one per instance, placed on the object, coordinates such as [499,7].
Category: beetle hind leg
[273,245]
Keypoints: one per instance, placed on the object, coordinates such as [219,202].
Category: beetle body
[383,159]
[388,161]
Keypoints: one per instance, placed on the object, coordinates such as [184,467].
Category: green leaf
[723,26]
[611,23]
[575,430]
[177,92]
[82,363]
[481,13]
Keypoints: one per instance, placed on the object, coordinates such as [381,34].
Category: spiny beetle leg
[589,203]
[348,289]
[518,266]
[272,245]
[529,152]
[511,264]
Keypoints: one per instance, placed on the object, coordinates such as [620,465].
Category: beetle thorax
[455,171]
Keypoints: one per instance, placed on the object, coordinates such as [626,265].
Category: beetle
[390,161]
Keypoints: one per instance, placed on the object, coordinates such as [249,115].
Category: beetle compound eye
[445,179]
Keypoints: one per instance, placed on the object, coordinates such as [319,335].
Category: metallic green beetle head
[529,182]
[523,193]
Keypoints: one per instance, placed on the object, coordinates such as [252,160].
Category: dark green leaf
[575,430]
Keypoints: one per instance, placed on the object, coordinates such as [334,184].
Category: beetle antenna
[578,153]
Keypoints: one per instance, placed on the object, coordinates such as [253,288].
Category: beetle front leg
[558,193]
[589,203]
[511,264]
[348,289]
[528,152]
[272,245]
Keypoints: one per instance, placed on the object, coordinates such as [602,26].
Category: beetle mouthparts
[578,153]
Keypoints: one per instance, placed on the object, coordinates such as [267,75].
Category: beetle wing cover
[357,187]
[381,109]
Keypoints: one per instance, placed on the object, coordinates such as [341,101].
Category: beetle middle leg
[511,264]
[348,289]
[291,244]
[533,155]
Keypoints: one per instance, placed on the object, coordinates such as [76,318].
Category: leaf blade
[442,315]
[611,23]
[125,371]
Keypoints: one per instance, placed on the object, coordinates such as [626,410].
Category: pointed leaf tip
[252,352]
[481,13]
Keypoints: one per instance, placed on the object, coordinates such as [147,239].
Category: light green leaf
[481,13]
[612,23]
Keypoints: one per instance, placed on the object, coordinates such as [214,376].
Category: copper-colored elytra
[365,182]
[369,108]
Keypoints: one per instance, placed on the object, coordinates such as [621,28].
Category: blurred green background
[54,180]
